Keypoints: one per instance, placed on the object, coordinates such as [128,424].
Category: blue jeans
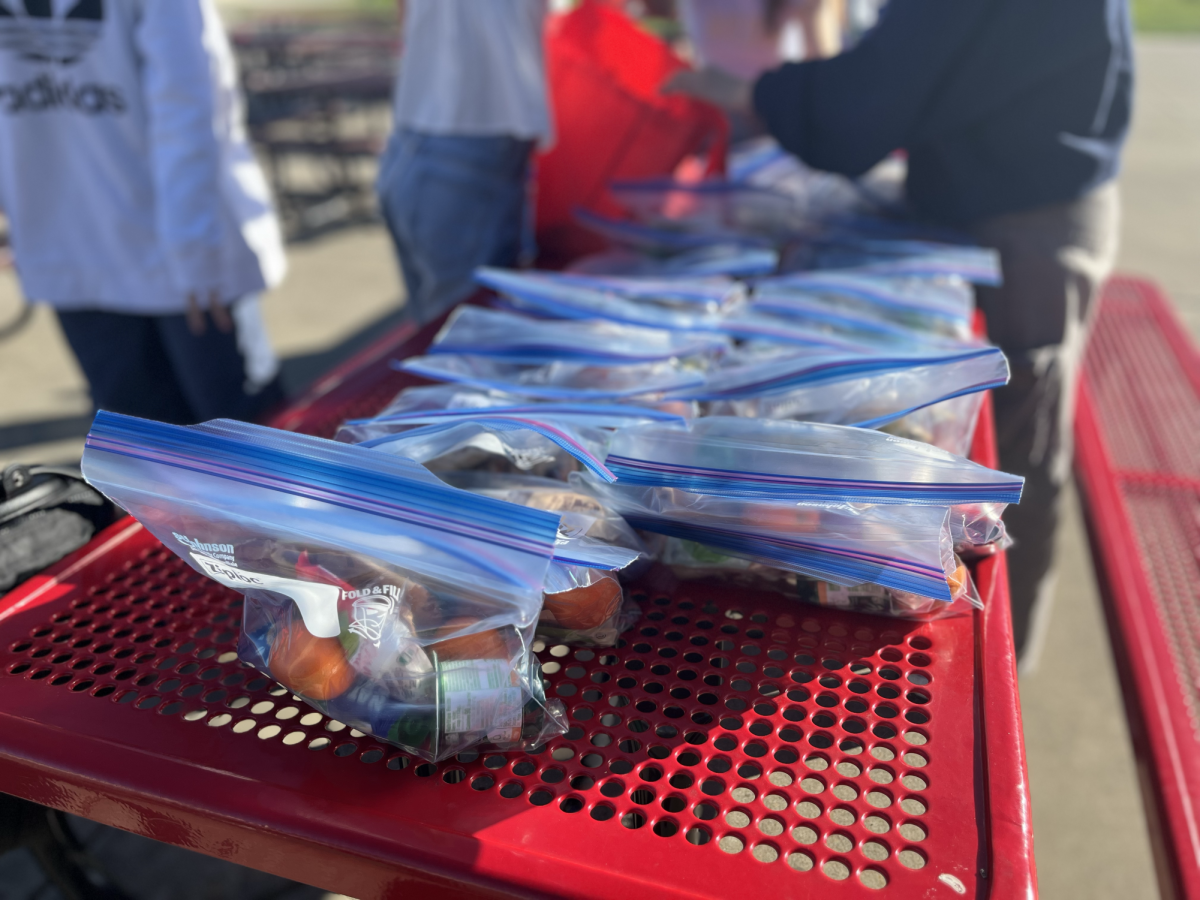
[452,203]
[155,368]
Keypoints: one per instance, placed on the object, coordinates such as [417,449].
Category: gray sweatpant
[1054,260]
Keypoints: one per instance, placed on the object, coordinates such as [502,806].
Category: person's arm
[822,22]
[846,113]
[182,48]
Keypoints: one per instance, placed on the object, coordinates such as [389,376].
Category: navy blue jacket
[1002,105]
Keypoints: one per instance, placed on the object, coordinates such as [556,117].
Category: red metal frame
[106,657]
[1139,403]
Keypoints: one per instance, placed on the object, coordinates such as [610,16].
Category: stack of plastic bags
[687,403]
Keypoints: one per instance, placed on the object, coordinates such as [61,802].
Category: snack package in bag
[388,600]
[514,338]
[493,442]
[978,530]
[948,425]
[584,600]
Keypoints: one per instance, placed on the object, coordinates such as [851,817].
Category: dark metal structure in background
[318,109]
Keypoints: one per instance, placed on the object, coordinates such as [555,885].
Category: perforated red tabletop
[736,744]
[1138,463]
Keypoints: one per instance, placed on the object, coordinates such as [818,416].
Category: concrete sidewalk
[1089,822]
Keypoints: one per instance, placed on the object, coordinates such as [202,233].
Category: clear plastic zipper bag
[904,258]
[919,303]
[559,380]
[689,560]
[905,548]
[666,236]
[428,404]
[802,461]
[766,324]
[732,260]
[867,389]
[561,299]
[848,316]
[508,337]
[710,292]
[386,599]
[715,206]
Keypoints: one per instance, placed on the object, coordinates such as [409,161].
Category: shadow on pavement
[43,431]
[295,372]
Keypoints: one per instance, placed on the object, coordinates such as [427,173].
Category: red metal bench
[1138,467]
[734,745]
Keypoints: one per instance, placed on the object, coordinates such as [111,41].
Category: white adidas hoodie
[125,171]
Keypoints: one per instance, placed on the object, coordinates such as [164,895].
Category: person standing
[1013,114]
[135,204]
[471,106]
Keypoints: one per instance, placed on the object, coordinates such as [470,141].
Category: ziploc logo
[318,603]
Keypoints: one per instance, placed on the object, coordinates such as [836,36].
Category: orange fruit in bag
[585,607]
[480,645]
[958,582]
[310,666]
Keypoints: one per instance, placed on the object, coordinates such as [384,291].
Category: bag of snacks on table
[690,560]
[939,305]
[560,380]
[787,460]
[843,388]
[711,292]
[388,600]
[584,601]
[810,461]
[431,404]
[546,294]
[732,260]
[514,338]
[905,548]
[714,207]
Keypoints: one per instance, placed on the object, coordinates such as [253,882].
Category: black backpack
[45,513]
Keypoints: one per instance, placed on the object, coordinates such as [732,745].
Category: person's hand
[716,86]
[197,323]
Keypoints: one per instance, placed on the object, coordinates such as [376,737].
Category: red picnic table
[1138,467]
[733,744]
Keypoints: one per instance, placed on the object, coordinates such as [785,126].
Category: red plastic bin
[735,744]
[610,121]
[1138,468]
